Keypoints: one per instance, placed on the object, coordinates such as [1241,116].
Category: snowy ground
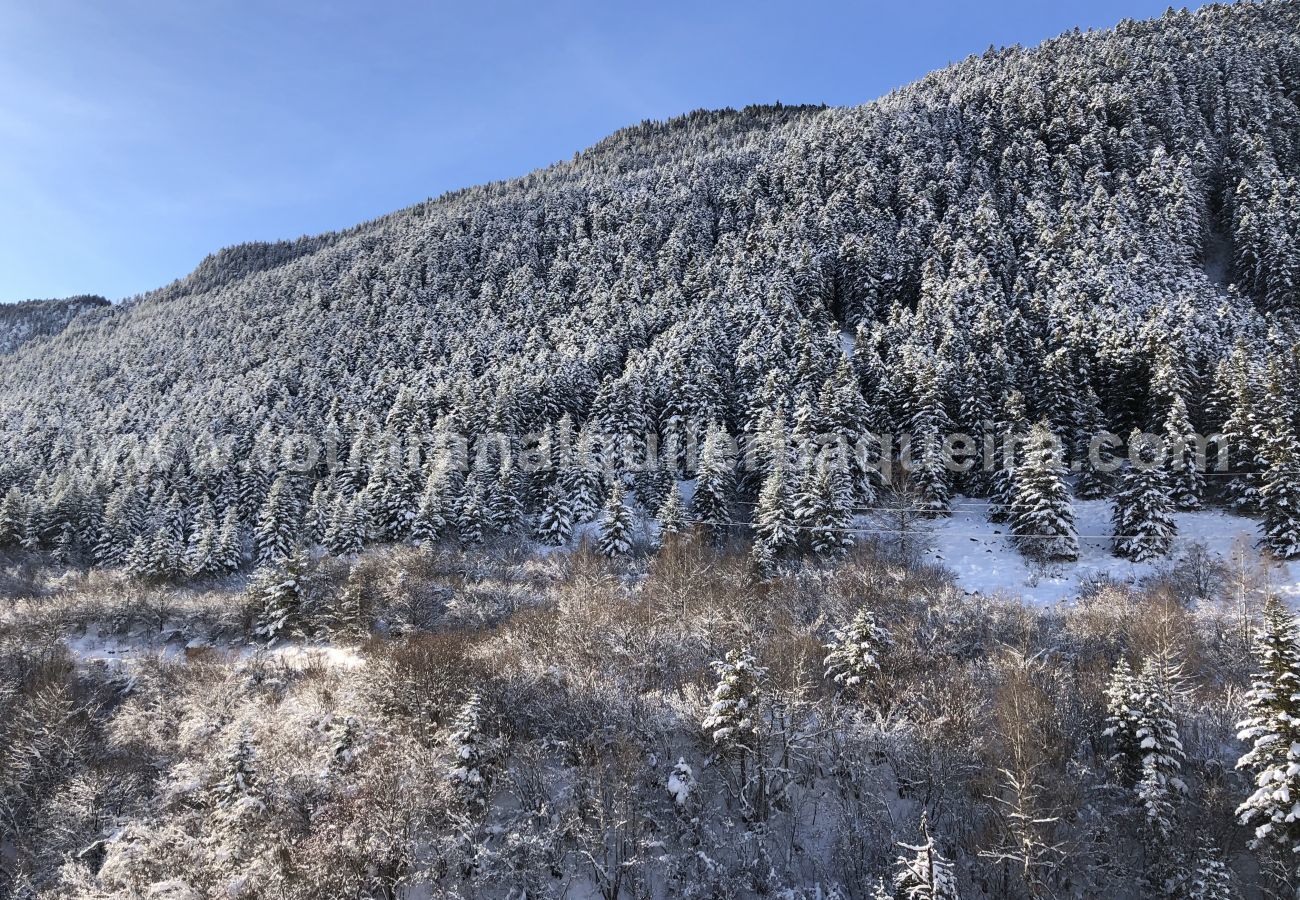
[124,650]
[984,560]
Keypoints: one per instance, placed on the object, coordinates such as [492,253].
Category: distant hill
[22,322]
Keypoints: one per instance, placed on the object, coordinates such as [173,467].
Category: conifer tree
[13,515]
[471,750]
[1279,494]
[855,653]
[775,527]
[280,595]
[240,777]
[714,486]
[277,523]
[924,874]
[555,521]
[1041,513]
[733,718]
[1186,483]
[1273,731]
[824,512]
[230,545]
[431,513]
[507,509]
[472,521]
[1211,878]
[1143,517]
[616,525]
[671,514]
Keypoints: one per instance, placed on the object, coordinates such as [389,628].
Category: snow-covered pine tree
[229,551]
[279,594]
[1122,717]
[1273,731]
[239,779]
[824,513]
[1011,433]
[715,485]
[930,427]
[507,508]
[1211,878]
[924,873]
[1186,482]
[1279,493]
[431,512]
[671,514]
[1143,517]
[554,524]
[1160,783]
[1041,513]
[277,522]
[471,751]
[472,521]
[732,721]
[13,515]
[854,655]
[615,525]
[776,531]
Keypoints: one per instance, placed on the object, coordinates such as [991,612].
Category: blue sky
[136,136]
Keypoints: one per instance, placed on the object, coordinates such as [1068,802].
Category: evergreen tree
[277,522]
[280,595]
[616,525]
[924,874]
[507,509]
[671,514]
[472,521]
[733,718]
[854,654]
[1273,731]
[13,516]
[1186,483]
[824,512]
[240,777]
[555,521]
[471,751]
[775,527]
[1211,878]
[230,546]
[714,486]
[1143,518]
[1041,514]
[431,514]
[1279,495]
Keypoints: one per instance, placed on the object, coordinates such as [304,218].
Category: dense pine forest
[554,537]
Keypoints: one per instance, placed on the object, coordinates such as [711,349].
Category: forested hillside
[21,322]
[1098,233]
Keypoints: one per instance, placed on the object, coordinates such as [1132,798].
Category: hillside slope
[1020,237]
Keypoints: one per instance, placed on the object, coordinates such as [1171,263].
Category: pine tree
[1273,730]
[13,515]
[506,511]
[1160,783]
[823,511]
[230,546]
[1122,724]
[277,523]
[471,753]
[472,520]
[1279,495]
[732,721]
[775,527]
[924,874]
[346,533]
[280,595]
[714,486]
[854,654]
[1211,877]
[1041,514]
[555,521]
[671,514]
[431,514]
[1186,483]
[1143,518]
[616,525]
[240,777]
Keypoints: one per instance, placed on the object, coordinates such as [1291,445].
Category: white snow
[984,560]
[121,650]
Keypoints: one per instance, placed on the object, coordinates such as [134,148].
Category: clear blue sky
[136,136]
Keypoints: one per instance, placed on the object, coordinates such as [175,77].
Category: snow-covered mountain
[1098,233]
